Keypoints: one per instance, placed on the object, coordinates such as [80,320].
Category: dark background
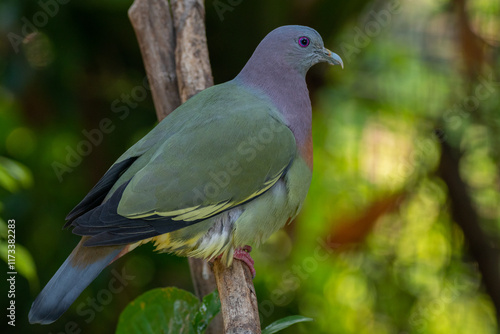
[400,230]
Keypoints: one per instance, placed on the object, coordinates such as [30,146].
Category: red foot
[243,254]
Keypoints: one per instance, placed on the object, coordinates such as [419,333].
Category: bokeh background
[400,232]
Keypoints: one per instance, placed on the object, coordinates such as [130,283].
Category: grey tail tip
[35,318]
[65,287]
[45,311]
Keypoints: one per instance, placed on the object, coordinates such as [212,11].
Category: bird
[221,173]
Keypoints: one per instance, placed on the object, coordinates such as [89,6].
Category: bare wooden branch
[203,277]
[238,299]
[154,29]
[174,49]
[194,73]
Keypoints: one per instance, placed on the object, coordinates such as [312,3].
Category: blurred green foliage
[405,74]
[14,177]
[170,311]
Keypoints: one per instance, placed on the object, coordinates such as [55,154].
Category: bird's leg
[243,254]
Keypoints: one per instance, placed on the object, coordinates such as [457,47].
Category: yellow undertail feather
[201,246]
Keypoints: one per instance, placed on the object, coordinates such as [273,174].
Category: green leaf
[14,175]
[24,263]
[164,310]
[284,323]
[3,228]
[209,308]
[26,266]
[168,311]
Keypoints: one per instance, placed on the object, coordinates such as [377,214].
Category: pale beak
[332,58]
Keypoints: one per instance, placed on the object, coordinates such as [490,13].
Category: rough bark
[203,279]
[154,30]
[238,299]
[191,51]
[173,44]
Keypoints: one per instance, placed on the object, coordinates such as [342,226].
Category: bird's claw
[243,254]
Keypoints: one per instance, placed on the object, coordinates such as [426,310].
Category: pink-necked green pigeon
[224,170]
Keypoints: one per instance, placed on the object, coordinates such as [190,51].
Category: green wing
[223,147]
[235,154]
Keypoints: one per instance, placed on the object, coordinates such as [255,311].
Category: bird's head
[301,47]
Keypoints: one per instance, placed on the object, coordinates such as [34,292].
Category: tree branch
[154,30]
[238,299]
[464,214]
[191,52]
[481,246]
[174,49]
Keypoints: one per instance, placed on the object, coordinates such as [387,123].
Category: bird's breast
[273,209]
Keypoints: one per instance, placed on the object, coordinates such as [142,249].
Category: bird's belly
[272,210]
[249,224]
[206,239]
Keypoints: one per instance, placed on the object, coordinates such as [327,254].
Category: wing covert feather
[223,147]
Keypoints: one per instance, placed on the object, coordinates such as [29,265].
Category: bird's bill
[333,58]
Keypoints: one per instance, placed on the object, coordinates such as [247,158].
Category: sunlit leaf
[3,228]
[14,175]
[24,263]
[284,323]
[168,310]
[26,266]
[209,308]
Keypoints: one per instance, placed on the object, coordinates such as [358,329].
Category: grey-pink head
[294,46]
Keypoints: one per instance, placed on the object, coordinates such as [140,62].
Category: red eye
[303,41]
